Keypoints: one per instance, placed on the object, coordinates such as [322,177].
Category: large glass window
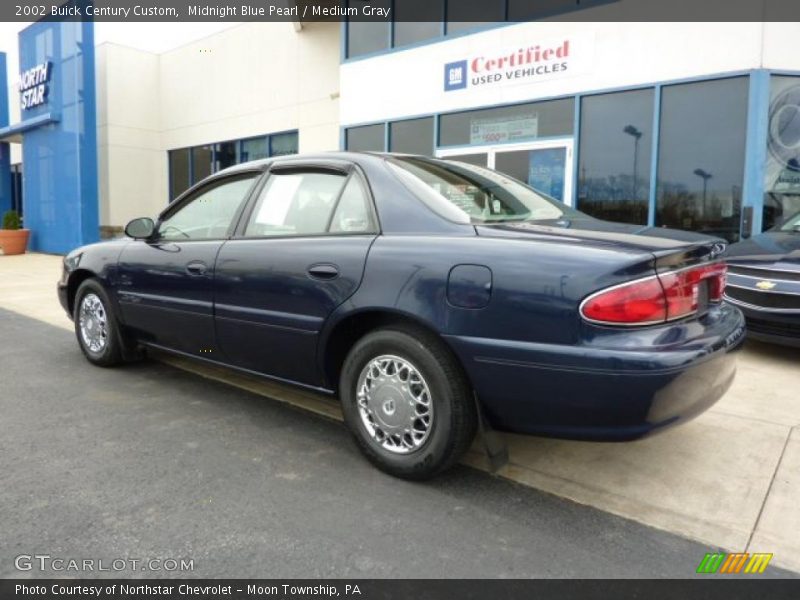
[782,185]
[179,173]
[225,155]
[701,156]
[255,149]
[202,165]
[519,123]
[417,20]
[364,37]
[367,138]
[468,14]
[209,214]
[283,144]
[614,156]
[414,136]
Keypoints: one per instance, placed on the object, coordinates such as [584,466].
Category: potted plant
[13,239]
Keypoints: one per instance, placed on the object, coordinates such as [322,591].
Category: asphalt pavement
[150,462]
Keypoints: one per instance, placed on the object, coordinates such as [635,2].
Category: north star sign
[34,85]
[517,66]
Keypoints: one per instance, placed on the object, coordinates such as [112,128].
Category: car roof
[356,157]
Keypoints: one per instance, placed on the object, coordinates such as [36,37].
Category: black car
[764,282]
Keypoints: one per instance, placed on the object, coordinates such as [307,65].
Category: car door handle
[196,268]
[323,271]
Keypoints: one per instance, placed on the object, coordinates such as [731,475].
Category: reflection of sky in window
[703,127]
[606,149]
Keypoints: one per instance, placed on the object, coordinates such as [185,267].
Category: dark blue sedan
[428,295]
[765,283]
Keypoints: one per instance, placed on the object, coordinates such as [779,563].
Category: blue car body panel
[504,298]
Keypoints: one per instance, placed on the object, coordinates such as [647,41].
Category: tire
[384,361]
[98,333]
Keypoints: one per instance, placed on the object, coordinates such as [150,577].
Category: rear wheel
[96,326]
[407,402]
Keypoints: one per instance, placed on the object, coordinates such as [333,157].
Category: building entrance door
[547,165]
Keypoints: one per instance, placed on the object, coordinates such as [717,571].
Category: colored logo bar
[734,563]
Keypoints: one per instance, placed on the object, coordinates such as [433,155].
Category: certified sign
[34,85]
[541,60]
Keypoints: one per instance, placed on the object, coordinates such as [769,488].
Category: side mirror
[140,229]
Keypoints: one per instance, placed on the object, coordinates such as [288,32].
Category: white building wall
[606,55]
[253,79]
[131,162]
[249,80]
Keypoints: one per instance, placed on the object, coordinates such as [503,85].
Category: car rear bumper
[605,390]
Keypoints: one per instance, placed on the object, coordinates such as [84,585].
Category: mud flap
[494,446]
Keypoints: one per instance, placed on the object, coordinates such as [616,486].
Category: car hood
[594,232]
[772,247]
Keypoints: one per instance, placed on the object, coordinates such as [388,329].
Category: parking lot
[153,460]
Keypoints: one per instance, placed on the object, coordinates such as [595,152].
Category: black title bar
[400,10]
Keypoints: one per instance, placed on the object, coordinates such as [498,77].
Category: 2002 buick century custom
[425,293]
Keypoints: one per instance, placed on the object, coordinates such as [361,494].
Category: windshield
[474,194]
[791,224]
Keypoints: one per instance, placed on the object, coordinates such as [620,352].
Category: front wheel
[96,326]
[407,402]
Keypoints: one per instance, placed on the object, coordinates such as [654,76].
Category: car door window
[310,203]
[209,214]
[297,203]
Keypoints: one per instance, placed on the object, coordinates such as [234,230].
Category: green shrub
[11,220]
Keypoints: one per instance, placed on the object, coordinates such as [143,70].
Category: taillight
[657,299]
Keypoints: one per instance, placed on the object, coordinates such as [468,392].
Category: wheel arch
[344,334]
[76,278]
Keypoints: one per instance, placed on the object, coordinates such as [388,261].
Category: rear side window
[310,203]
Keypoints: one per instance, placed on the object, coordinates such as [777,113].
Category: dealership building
[687,125]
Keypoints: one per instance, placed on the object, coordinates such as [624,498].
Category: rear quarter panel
[537,286]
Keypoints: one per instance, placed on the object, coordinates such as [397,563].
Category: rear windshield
[471,194]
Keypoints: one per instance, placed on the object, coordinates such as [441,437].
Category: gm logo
[455,76]
[738,562]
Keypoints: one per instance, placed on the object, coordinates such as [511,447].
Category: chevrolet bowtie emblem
[765,285]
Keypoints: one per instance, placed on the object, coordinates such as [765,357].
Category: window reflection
[365,37]
[414,136]
[508,123]
[614,156]
[701,156]
[366,138]
[782,185]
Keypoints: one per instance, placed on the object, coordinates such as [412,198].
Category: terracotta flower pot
[14,241]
